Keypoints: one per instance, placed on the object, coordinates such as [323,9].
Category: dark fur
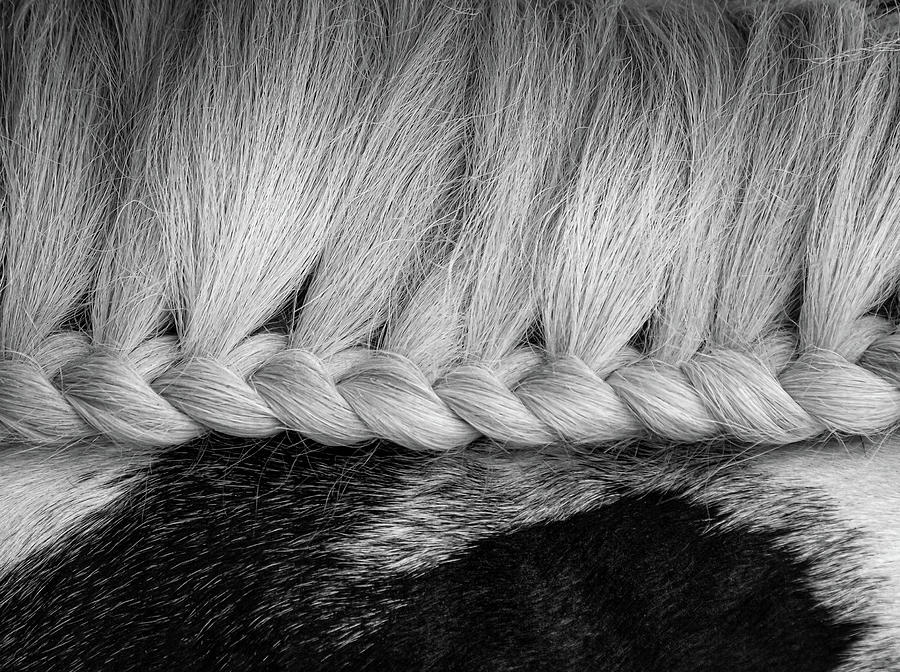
[274,556]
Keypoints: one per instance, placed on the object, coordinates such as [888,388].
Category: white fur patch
[46,493]
[862,482]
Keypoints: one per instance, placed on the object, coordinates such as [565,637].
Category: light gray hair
[432,222]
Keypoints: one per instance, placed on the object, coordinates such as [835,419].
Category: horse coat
[399,335]
[283,554]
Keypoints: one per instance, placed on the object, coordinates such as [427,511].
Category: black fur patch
[225,560]
[634,586]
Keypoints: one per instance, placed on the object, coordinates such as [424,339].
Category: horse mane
[530,221]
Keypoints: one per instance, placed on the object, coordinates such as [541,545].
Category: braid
[534,223]
[264,388]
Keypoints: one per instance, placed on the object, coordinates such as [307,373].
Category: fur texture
[508,334]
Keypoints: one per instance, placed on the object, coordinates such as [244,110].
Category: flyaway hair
[530,221]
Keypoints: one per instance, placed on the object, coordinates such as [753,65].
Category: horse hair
[531,221]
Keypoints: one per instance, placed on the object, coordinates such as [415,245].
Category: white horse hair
[470,290]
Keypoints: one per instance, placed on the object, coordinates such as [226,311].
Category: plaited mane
[596,222]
